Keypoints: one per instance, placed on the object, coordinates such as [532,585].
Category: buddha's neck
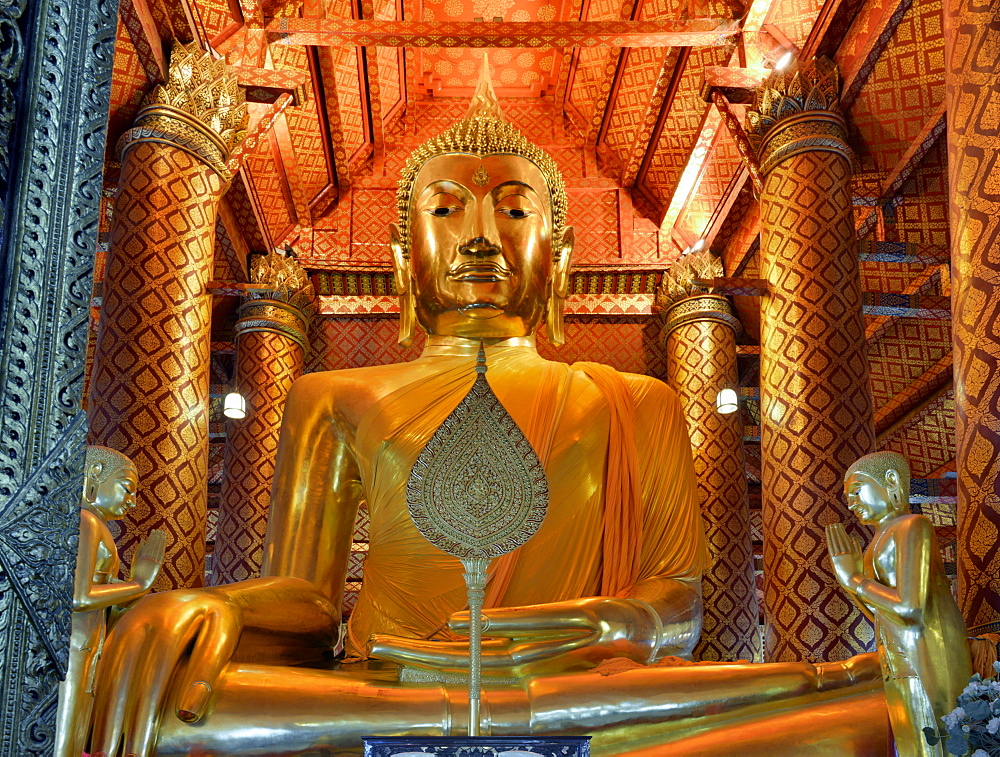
[456,345]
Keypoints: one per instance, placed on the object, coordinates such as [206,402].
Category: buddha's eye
[514,212]
[443,211]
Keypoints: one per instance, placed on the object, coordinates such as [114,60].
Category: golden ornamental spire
[287,279]
[484,103]
[680,281]
[200,109]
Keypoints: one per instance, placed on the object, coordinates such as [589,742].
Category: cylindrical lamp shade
[726,401]
[234,406]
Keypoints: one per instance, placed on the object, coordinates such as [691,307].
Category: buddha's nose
[479,247]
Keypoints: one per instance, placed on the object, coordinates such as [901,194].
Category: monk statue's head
[109,482]
[481,249]
[877,487]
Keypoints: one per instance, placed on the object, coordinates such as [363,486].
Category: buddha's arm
[904,596]
[88,595]
[184,640]
[316,491]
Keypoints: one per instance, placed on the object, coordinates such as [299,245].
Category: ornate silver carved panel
[55,77]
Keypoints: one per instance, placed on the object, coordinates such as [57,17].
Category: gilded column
[699,332]
[972,72]
[816,405]
[149,391]
[271,343]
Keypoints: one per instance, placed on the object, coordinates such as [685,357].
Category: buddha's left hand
[553,637]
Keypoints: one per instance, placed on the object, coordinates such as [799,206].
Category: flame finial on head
[485,103]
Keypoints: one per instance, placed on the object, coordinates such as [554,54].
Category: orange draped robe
[616,516]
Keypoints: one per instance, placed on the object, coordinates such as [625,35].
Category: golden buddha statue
[481,253]
[899,583]
[109,485]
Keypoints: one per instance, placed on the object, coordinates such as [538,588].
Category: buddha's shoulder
[366,380]
[644,389]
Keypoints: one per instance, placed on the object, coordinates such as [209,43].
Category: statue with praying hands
[899,582]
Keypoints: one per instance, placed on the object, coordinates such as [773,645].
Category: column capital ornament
[682,297]
[798,110]
[200,109]
[286,305]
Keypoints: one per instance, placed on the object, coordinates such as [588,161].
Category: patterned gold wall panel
[904,352]
[266,365]
[149,392]
[919,216]
[642,69]
[264,179]
[929,441]
[128,86]
[816,410]
[627,343]
[973,68]
[904,89]
[594,216]
[702,361]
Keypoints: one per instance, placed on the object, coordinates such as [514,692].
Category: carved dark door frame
[55,84]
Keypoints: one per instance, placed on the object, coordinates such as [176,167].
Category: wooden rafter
[258,133]
[643,139]
[856,73]
[925,139]
[141,27]
[926,279]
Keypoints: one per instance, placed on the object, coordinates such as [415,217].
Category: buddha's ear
[400,260]
[92,481]
[892,480]
[562,264]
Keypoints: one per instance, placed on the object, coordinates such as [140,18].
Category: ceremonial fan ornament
[477,491]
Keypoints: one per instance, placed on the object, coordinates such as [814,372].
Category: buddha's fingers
[542,650]
[532,621]
[155,545]
[439,655]
[146,703]
[214,645]
[836,536]
[115,675]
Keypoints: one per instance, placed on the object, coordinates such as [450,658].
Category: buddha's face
[114,493]
[871,500]
[481,250]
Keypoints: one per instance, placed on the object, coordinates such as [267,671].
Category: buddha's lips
[479,270]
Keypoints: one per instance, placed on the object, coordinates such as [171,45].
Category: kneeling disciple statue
[900,583]
[108,491]
[481,253]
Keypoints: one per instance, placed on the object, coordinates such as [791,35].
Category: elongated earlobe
[554,325]
[559,289]
[404,287]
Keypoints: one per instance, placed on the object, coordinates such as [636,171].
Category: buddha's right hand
[168,654]
[191,631]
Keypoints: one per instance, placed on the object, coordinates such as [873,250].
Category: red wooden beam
[672,33]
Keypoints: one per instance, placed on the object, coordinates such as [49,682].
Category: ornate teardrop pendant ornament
[478,490]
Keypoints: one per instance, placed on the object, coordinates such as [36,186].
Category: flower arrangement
[973,726]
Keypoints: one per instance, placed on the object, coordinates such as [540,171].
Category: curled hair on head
[878,464]
[110,460]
